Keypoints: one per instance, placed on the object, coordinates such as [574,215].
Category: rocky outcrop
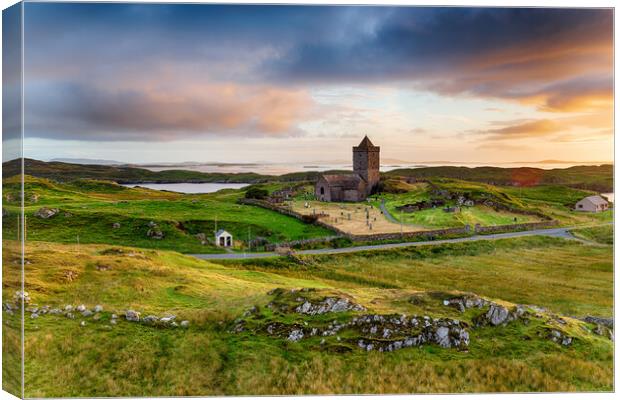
[96,314]
[464,302]
[155,233]
[384,333]
[559,337]
[46,213]
[21,297]
[328,305]
[495,315]
[607,322]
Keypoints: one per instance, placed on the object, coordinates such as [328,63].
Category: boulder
[329,304]
[295,335]
[98,308]
[464,302]
[150,319]
[560,338]
[87,313]
[155,234]
[184,324]
[81,308]
[116,225]
[21,296]
[46,213]
[442,336]
[497,314]
[133,316]
[608,322]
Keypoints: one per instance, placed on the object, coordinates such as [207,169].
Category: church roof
[347,181]
[365,143]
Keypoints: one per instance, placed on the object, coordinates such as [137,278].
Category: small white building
[223,238]
[592,204]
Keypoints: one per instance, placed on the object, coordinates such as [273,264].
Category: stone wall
[516,227]
[410,235]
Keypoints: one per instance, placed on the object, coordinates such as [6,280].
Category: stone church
[356,186]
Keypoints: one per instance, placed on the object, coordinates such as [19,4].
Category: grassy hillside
[600,234]
[554,201]
[597,178]
[63,172]
[209,358]
[89,209]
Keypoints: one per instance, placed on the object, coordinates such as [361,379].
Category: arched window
[322,190]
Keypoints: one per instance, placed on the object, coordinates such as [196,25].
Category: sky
[146,83]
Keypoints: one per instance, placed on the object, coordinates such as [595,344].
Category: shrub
[256,193]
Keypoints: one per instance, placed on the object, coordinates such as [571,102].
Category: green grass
[597,178]
[599,234]
[135,360]
[564,276]
[94,206]
[554,201]
[437,218]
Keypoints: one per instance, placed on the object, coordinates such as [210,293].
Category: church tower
[366,162]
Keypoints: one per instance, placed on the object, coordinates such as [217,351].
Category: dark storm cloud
[506,53]
[137,70]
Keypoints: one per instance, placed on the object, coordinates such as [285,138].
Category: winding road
[553,232]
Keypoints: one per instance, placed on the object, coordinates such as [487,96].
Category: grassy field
[596,178]
[89,209]
[554,201]
[131,359]
[599,234]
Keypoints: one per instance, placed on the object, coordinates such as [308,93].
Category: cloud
[534,128]
[71,111]
[153,71]
[581,127]
[559,59]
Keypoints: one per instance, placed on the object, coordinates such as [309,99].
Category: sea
[285,168]
[193,188]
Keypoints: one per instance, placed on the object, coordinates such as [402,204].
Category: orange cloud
[207,108]
[591,126]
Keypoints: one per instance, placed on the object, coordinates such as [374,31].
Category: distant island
[591,177]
